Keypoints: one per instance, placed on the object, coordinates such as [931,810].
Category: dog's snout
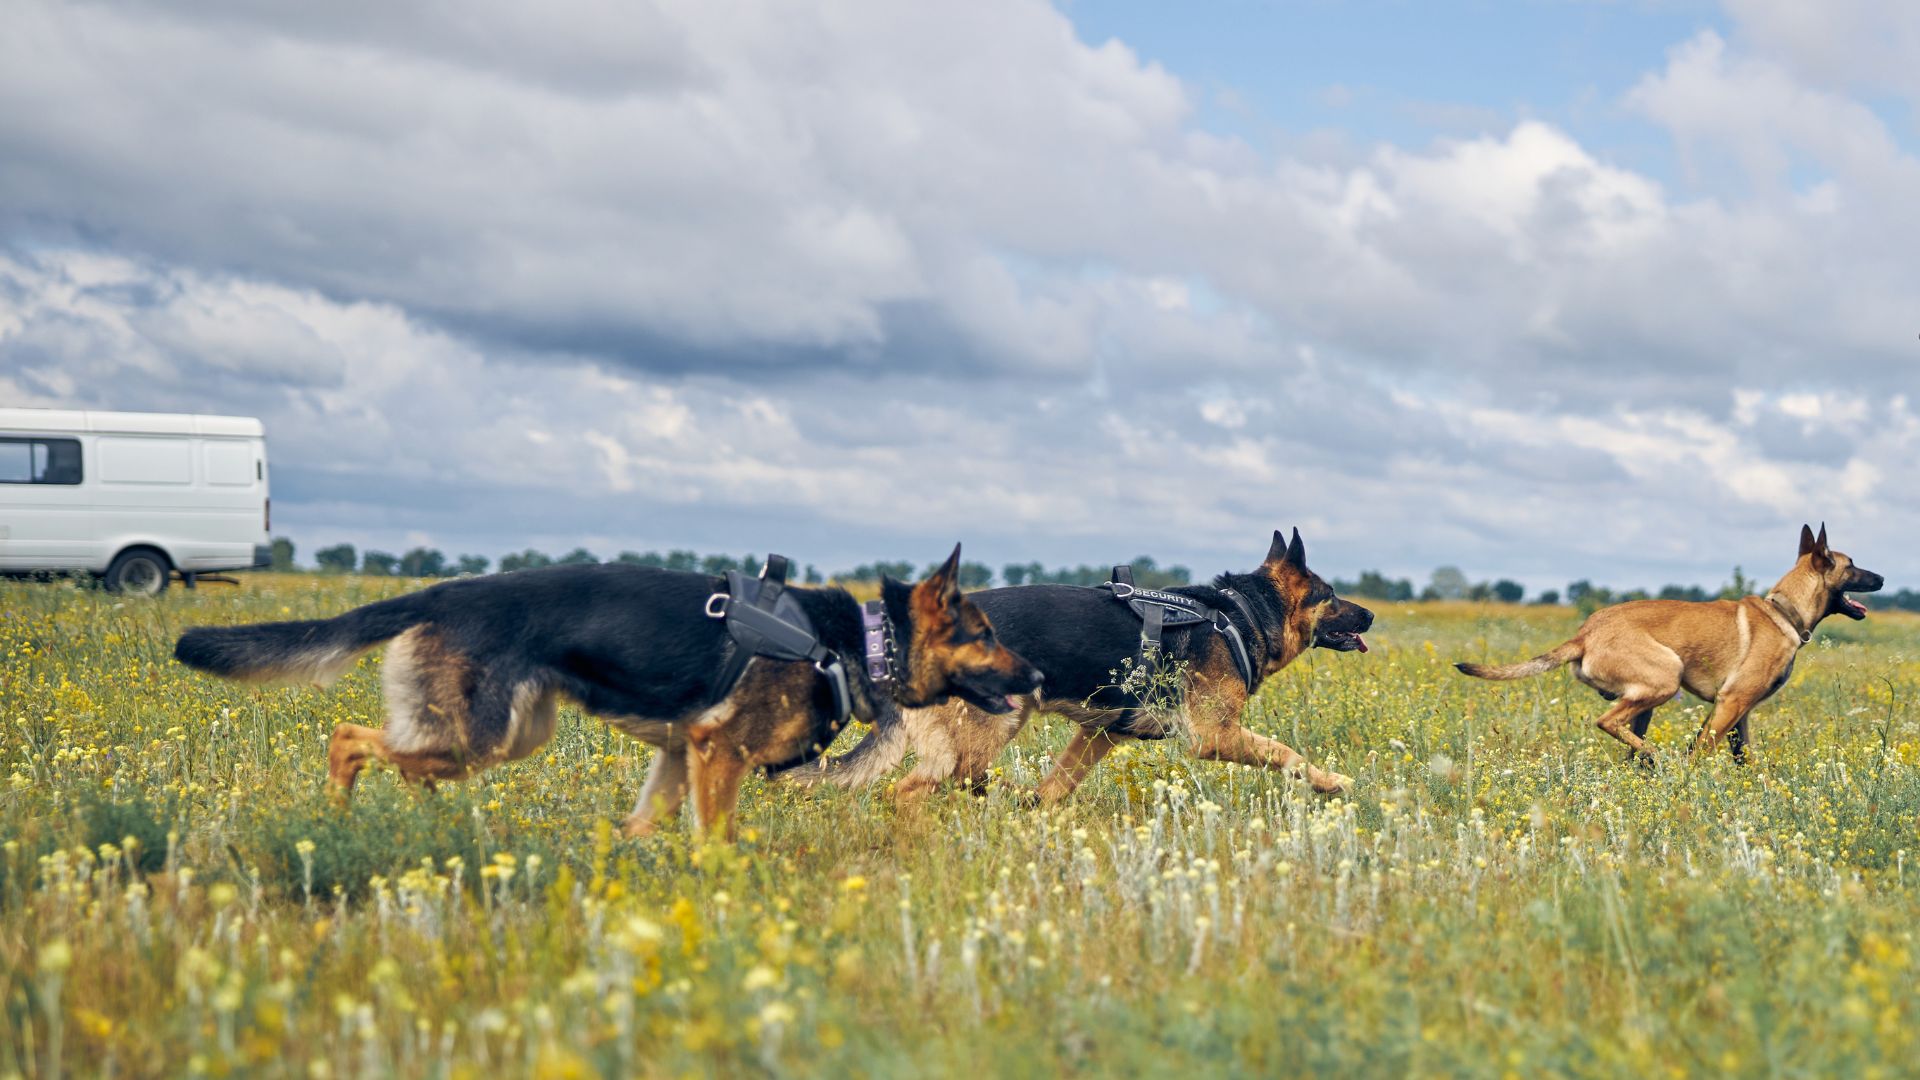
[1366,618]
[1866,581]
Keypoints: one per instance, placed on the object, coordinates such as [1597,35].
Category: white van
[134,497]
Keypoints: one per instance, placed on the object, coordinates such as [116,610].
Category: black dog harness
[1158,610]
[765,620]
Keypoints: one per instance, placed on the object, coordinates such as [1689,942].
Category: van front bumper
[262,556]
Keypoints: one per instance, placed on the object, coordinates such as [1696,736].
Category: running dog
[1734,653]
[1080,637]
[478,668]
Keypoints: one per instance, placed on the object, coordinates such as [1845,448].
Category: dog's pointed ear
[1822,555]
[944,582]
[1285,551]
[1277,551]
[1806,538]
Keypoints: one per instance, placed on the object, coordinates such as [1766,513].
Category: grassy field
[1500,895]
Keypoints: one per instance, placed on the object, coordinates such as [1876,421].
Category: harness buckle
[1121,589]
[717,606]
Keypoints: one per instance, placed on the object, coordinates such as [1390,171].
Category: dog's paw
[1334,783]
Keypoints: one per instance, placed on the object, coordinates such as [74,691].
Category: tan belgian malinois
[1733,653]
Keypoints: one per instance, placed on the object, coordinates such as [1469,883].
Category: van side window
[39,461]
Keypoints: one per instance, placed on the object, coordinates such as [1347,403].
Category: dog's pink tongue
[1362,642]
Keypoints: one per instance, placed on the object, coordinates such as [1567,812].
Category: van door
[46,507]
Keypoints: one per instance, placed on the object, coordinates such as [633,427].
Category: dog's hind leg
[348,750]
[352,746]
[664,791]
[1618,722]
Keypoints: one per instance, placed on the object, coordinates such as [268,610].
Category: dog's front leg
[1214,707]
[931,732]
[1729,710]
[1088,747]
[1230,741]
[1737,739]
[664,791]
[716,765]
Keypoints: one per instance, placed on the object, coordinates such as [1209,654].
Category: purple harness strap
[873,622]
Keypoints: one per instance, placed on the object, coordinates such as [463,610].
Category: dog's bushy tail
[309,651]
[1546,661]
[884,747]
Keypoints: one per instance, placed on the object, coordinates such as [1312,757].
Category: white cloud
[884,272]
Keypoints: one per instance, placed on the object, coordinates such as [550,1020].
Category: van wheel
[139,572]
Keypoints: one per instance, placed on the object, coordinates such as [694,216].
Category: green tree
[900,571]
[378,564]
[579,557]
[1448,583]
[975,575]
[651,558]
[1740,586]
[1151,575]
[1014,573]
[423,562]
[813,576]
[719,564]
[1587,597]
[682,560]
[338,559]
[525,560]
[1379,586]
[283,554]
[1549,598]
[1508,592]
[474,564]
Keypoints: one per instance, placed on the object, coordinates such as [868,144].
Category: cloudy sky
[1546,289]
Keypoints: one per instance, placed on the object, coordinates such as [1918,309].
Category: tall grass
[1501,894]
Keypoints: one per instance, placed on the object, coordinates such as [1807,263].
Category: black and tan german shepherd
[478,667]
[1078,637]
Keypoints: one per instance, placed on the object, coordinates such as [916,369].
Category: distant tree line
[1146,573]
[428,562]
[1449,583]
[1445,583]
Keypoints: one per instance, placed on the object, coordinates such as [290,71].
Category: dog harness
[1158,610]
[765,620]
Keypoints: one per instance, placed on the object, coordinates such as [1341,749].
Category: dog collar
[877,629]
[1787,614]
